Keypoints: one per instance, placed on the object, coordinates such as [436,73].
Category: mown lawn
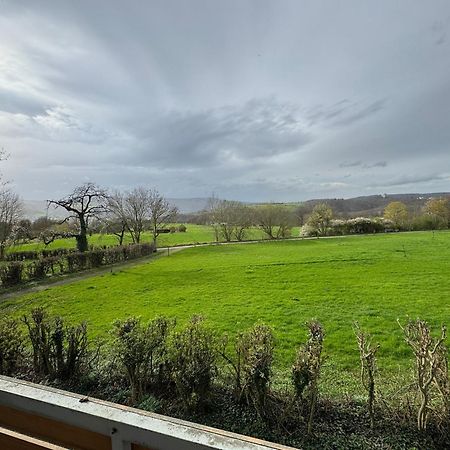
[193,235]
[372,279]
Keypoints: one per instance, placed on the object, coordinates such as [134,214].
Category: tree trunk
[155,235]
[82,242]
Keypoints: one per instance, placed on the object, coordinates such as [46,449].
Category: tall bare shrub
[367,356]
[307,367]
[428,352]
[59,351]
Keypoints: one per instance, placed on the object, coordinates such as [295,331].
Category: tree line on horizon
[92,209]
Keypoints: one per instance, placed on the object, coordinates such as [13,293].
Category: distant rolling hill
[373,205]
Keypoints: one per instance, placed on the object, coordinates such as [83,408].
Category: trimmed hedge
[44,267]
[46,253]
[12,273]
[15,272]
[22,256]
[30,255]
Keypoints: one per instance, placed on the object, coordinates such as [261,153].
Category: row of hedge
[29,255]
[192,366]
[16,272]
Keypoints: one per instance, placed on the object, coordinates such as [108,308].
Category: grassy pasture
[194,234]
[373,279]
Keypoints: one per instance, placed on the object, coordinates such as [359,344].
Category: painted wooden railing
[39,417]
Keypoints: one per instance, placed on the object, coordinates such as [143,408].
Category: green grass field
[373,279]
[194,234]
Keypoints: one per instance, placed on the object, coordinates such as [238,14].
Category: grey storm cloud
[380,164]
[258,129]
[250,99]
[343,113]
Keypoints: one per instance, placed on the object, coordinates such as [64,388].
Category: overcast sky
[252,100]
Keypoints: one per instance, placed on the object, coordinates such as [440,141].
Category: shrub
[142,352]
[77,261]
[114,255]
[130,347]
[307,367]
[367,355]
[255,351]
[182,228]
[146,249]
[22,256]
[308,231]
[431,361]
[149,403]
[46,253]
[58,351]
[11,346]
[11,273]
[193,359]
[96,257]
[159,330]
[138,250]
[44,267]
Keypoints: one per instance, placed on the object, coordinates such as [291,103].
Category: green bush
[142,353]
[59,351]
[114,255]
[46,253]
[77,261]
[255,349]
[96,257]
[22,256]
[11,273]
[130,348]
[11,346]
[159,330]
[307,367]
[43,267]
[193,359]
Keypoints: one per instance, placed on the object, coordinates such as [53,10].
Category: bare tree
[116,222]
[85,203]
[243,219]
[302,212]
[211,207]
[230,219]
[42,224]
[11,209]
[274,220]
[136,211]
[161,213]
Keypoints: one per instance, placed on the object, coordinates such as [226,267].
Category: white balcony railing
[38,417]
